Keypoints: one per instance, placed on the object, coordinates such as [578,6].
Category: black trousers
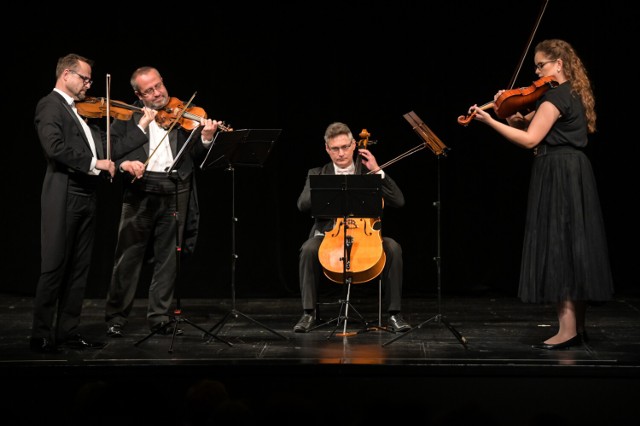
[310,273]
[148,218]
[60,292]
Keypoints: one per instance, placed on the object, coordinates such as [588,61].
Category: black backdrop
[298,67]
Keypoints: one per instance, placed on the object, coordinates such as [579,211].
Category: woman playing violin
[565,256]
[340,146]
[149,207]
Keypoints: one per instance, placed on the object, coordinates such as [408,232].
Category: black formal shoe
[78,342]
[114,330]
[304,324]
[165,329]
[43,345]
[574,341]
[397,323]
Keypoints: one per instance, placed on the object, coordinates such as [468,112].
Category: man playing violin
[340,147]
[76,156]
[149,208]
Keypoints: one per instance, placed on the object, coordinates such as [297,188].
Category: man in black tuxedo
[340,146]
[76,157]
[148,218]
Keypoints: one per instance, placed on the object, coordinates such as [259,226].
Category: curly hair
[576,73]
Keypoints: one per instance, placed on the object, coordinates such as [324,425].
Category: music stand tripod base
[436,318]
[234,313]
[342,319]
[175,322]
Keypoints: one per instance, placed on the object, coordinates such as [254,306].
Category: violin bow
[464,120]
[526,49]
[178,117]
[108,86]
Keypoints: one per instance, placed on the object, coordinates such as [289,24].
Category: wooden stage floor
[480,369]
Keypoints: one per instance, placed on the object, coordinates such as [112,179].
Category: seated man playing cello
[340,145]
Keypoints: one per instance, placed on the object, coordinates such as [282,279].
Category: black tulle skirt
[565,254]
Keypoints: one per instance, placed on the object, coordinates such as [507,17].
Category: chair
[344,312]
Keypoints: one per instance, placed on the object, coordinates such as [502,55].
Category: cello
[352,251]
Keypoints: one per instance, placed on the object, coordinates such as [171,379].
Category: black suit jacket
[67,152]
[391,195]
[190,159]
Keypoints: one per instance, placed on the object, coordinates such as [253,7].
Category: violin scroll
[466,119]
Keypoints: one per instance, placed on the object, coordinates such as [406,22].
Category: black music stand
[246,147]
[176,319]
[345,196]
[440,150]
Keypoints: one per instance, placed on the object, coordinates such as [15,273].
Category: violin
[353,248]
[515,100]
[92,107]
[518,100]
[189,120]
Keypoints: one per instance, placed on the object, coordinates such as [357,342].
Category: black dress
[565,254]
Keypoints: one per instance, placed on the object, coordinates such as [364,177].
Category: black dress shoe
[574,341]
[80,343]
[43,345]
[304,324]
[166,329]
[114,330]
[398,324]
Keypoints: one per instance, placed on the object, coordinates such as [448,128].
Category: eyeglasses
[541,65]
[337,149]
[85,80]
[153,89]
